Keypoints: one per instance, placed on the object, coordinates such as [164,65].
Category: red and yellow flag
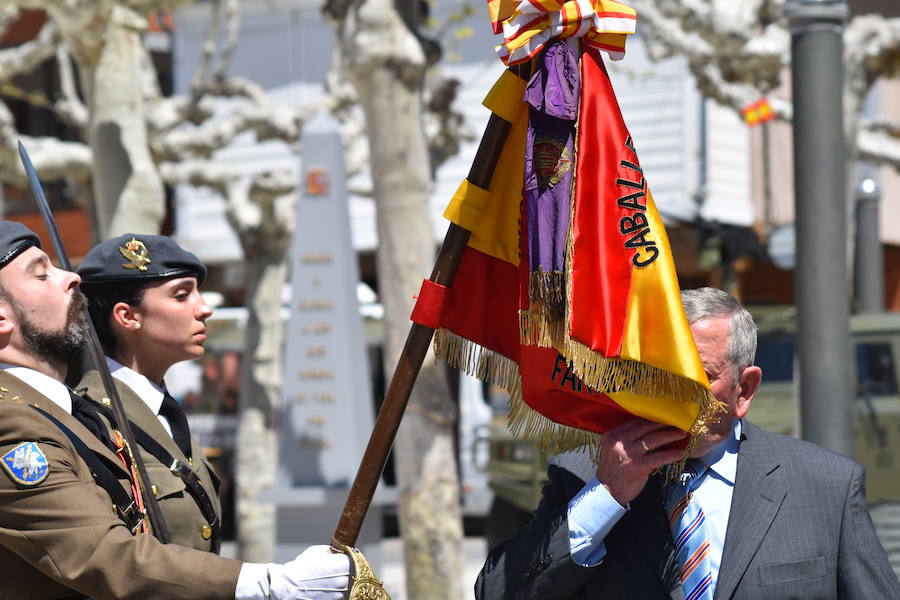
[618,344]
[758,112]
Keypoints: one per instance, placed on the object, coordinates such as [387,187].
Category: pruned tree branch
[69,107]
[233,23]
[8,15]
[199,81]
[266,122]
[26,57]
[872,48]
[879,148]
[738,52]
[886,125]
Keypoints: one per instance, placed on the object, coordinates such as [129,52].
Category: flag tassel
[523,421]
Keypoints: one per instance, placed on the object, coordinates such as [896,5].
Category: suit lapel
[756,500]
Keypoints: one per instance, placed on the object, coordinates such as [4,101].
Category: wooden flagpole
[416,346]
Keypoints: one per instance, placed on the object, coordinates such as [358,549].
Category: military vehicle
[517,471]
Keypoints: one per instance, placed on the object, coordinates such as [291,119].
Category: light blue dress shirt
[593,512]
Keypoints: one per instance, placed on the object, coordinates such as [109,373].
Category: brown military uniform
[61,539]
[184,518]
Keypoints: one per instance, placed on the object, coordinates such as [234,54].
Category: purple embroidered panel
[552,94]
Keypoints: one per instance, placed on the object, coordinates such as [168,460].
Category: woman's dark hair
[101,299]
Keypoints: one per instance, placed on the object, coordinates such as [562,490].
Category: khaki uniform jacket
[60,538]
[183,517]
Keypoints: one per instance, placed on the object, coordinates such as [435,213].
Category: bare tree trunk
[259,401]
[265,238]
[386,65]
[128,192]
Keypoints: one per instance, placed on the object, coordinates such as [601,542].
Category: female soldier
[144,299]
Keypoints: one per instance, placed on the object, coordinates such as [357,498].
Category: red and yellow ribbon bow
[528,25]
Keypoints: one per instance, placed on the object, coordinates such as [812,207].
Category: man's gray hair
[706,303]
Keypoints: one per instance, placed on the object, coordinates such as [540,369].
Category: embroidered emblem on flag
[26,464]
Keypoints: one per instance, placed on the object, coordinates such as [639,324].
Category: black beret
[134,258]
[15,239]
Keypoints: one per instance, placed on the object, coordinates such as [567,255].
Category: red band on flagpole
[430,304]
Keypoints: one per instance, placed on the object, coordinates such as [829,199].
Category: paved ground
[392,574]
[474,551]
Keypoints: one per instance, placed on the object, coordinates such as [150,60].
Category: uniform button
[206,532]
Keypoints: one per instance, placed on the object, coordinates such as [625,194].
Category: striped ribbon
[689,536]
[602,24]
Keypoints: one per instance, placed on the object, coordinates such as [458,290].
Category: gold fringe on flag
[541,325]
[612,375]
[528,424]
[548,290]
[534,428]
[523,421]
[536,329]
[478,362]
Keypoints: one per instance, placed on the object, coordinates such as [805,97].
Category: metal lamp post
[869,264]
[820,176]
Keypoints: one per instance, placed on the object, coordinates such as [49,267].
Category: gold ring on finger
[646,448]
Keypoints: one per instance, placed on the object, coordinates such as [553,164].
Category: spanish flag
[566,295]
[758,112]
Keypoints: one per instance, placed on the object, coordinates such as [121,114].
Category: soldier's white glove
[316,574]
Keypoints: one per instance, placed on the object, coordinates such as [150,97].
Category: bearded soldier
[67,508]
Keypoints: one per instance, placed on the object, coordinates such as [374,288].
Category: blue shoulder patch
[26,464]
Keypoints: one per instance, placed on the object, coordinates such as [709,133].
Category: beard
[59,345]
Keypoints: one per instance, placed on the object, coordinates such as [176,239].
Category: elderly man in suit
[756,514]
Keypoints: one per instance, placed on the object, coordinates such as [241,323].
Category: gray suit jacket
[798,528]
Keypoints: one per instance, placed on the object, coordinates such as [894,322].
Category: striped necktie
[689,535]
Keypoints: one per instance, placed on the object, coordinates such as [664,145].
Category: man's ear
[125,316]
[748,385]
[7,318]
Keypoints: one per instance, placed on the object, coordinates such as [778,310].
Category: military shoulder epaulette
[6,394]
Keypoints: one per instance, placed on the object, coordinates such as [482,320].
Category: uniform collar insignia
[135,252]
[26,464]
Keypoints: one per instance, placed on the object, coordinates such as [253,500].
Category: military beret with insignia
[135,258]
[15,239]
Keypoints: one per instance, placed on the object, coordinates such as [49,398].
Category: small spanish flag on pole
[566,294]
[758,112]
